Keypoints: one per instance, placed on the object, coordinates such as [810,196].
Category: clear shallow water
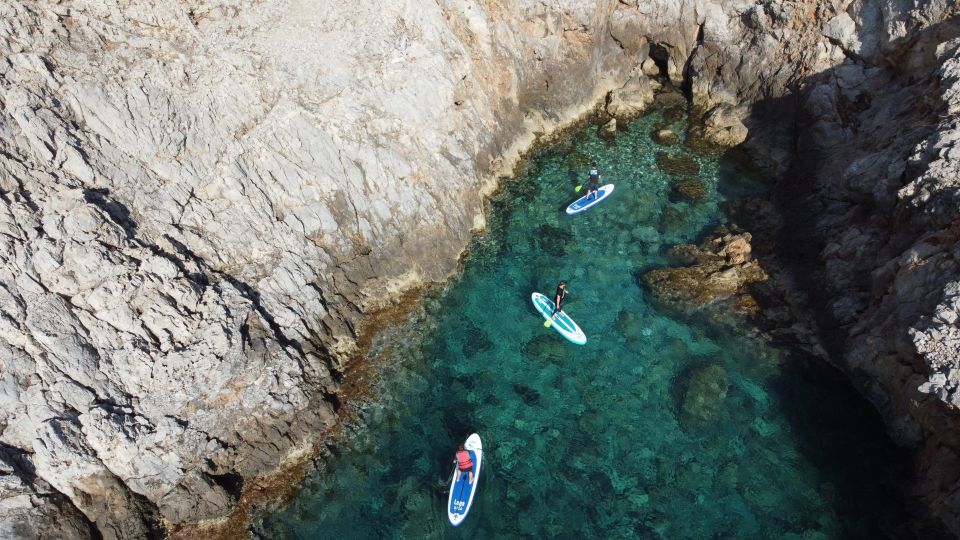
[656,428]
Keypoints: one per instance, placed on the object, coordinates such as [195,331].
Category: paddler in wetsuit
[464,464]
[593,182]
[559,297]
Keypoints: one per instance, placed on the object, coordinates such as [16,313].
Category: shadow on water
[842,435]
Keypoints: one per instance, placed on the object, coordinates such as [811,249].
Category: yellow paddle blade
[548,323]
[577,189]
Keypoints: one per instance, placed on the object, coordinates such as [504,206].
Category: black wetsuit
[558,298]
[593,183]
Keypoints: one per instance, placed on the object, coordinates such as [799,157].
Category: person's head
[460,447]
[594,165]
[563,283]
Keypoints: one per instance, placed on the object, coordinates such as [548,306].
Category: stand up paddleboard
[585,203]
[562,322]
[461,490]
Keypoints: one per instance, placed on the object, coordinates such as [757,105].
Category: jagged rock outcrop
[716,270]
[201,201]
[876,178]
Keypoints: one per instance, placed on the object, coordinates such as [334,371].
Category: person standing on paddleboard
[593,182]
[559,297]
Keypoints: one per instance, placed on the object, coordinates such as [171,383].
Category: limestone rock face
[876,178]
[633,99]
[200,201]
[32,509]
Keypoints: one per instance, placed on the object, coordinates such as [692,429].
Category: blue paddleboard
[562,322]
[586,202]
[461,490]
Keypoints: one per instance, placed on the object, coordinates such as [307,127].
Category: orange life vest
[463,460]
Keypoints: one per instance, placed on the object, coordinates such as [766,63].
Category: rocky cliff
[201,200]
[876,180]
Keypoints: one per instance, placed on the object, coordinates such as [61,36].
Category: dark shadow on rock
[117,211]
[843,437]
[846,439]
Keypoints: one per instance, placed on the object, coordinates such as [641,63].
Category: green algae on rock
[690,189]
[703,394]
[680,165]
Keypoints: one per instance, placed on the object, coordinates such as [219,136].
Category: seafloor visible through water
[656,428]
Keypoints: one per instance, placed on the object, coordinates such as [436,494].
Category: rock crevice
[201,202]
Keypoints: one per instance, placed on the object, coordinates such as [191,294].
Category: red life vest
[463,460]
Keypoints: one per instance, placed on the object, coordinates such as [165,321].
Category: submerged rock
[545,347]
[577,162]
[674,105]
[646,204]
[673,219]
[678,165]
[690,189]
[686,254]
[665,137]
[703,395]
[475,341]
[551,240]
[628,325]
[529,396]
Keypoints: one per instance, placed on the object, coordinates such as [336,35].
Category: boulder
[678,164]
[723,126]
[609,129]
[737,249]
[690,189]
[665,137]
[551,240]
[717,269]
[703,394]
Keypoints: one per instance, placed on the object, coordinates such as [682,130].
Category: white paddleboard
[461,489]
[588,201]
[562,322]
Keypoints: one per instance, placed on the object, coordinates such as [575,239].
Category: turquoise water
[656,428]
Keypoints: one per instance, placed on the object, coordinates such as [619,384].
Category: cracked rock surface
[199,201]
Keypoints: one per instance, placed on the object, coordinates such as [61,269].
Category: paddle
[549,322]
[577,189]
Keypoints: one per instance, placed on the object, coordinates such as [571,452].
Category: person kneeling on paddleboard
[464,464]
[593,183]
[558,298]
